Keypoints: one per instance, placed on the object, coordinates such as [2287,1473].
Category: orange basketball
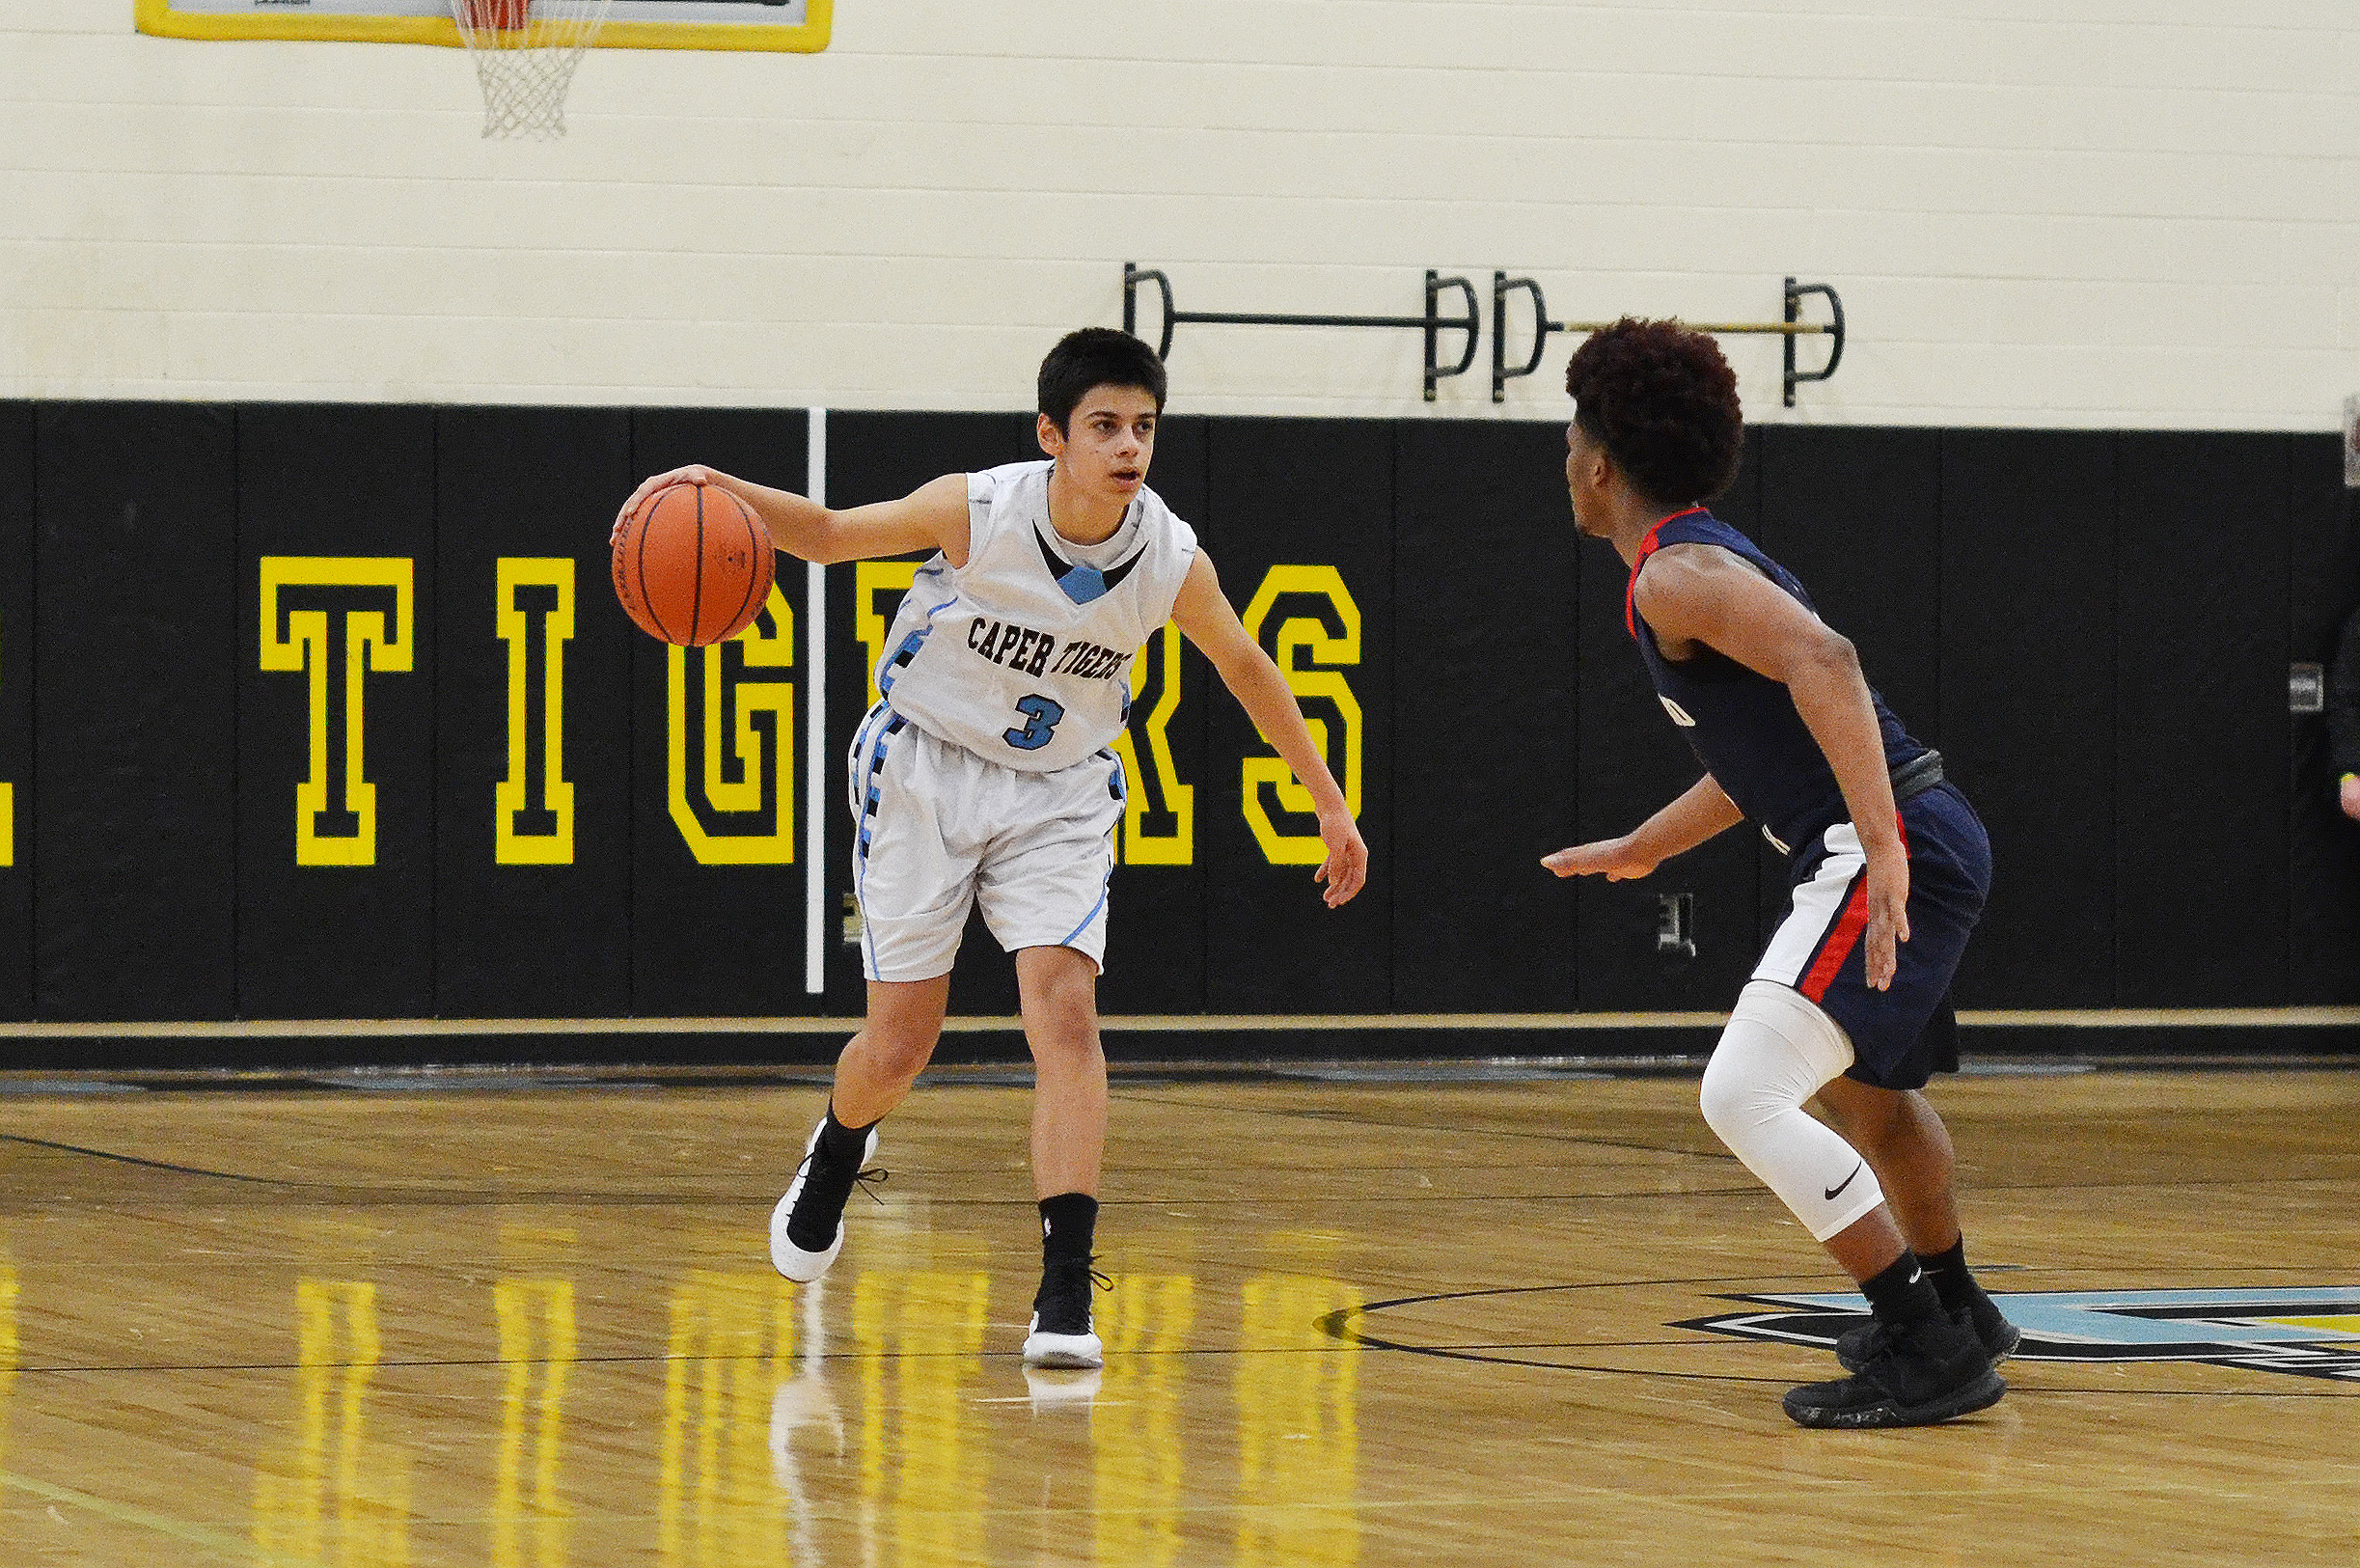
[693,565]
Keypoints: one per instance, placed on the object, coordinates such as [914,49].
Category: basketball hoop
[525,53]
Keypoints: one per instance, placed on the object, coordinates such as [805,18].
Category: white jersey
[1023,654]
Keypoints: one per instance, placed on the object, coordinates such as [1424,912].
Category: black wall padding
[2202,751]
[1155,934]
[2027,663]
[16,524]
[1855,513]
[721,937]
[136,656]
[533,901]
[1316,495]
[1486,574]
[2094,626]
[883,456]
[2323,860]
[1632,762]
[336,488]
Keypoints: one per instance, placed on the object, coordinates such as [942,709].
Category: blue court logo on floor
[2310,1332]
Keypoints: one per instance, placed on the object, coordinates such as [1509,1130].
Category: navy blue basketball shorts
[1904,1034]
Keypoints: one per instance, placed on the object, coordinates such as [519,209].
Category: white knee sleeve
[1776,1051]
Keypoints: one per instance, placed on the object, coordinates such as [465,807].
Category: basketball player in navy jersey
[985,778]
[1887,869]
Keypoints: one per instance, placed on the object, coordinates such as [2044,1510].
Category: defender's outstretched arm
[1699,813]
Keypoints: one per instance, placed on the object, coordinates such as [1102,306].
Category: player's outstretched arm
[1205,618]
[1700,812]
[931,517]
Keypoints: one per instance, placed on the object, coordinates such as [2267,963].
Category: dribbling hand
[692,474]
[1614,859]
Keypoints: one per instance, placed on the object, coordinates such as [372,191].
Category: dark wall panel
[2202,739]
[1485,566]
[2027,702]
[1155,934]
[18,467]
[1855,513]
[533,862]
[335,910]
[712,934]
[136,648]
[879,457]
[1316,495]
[2323,870]
[1632,763]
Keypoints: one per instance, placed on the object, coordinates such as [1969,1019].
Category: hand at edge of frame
[1346,868]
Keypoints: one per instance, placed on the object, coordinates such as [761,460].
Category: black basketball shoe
[806,1227]
[1060,1332]
[1856,1347]
[1923,1372]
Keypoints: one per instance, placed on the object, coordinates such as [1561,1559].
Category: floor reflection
[879,1417]
[331,1493]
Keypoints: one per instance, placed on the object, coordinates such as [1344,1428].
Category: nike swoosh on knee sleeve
[1830,1193]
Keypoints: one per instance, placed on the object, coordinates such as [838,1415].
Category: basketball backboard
[800,25]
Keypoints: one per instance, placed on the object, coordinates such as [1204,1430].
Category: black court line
[454,1197]
[463,1197]
[1336,1325]
[1352,1119]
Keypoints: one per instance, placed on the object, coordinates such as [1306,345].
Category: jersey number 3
[1041,716]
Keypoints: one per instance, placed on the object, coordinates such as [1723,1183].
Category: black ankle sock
[1069,1222]
[1902,1292]
[839,1144]
[1951,1281]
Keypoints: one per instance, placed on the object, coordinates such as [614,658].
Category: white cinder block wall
[2039,213]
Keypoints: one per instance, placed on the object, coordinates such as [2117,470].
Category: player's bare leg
[1902,1138]
[877,1066]
[1906,1143]
[1059,991]
[873,1075]
[1059,988]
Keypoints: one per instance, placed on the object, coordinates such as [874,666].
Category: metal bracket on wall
[1676,925]
[1792,328]
[1433,324]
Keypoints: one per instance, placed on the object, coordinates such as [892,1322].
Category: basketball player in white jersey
[985,776]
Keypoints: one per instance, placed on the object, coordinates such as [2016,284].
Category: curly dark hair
[1663,403]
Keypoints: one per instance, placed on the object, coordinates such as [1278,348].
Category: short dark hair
[1663,403]
[1096,357]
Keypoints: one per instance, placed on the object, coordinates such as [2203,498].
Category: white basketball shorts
[939,829]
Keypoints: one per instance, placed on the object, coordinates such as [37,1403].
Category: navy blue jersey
[1742,726]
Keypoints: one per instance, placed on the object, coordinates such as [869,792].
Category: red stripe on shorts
[1840,942]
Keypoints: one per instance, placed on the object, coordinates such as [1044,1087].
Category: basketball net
[525,53]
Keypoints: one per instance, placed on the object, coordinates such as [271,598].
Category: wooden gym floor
[1358,1318]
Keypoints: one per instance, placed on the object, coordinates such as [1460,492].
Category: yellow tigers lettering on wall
[1312,652]
[337,619]
[1156,796]
[877,587]
[739,809]
[533,822]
